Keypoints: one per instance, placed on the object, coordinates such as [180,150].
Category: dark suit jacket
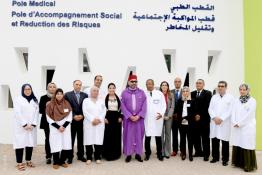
[202,104]
[76,108]
[173,91]
[42,107]
[191,111]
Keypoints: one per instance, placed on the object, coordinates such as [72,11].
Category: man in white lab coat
[156,107]
[220,110]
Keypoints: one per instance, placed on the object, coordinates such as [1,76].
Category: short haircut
[76,81]
[223,82]
[98,76]
[150,80]
[201,80]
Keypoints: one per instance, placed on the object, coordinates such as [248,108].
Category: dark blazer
[173,91]
[42,107]
[191,111]
[76,108]
[202,104]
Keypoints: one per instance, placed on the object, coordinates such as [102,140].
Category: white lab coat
[245,116]
[93,135]
[155,104]
[60,141]
[222,108]
[25,113]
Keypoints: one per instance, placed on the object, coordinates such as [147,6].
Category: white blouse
[112,105]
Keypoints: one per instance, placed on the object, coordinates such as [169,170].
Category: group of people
[180,120]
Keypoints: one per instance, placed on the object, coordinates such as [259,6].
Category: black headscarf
[30,97]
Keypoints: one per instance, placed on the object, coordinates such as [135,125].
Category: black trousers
[77,131]
[186,133]
[175,128]
[158,146]
[19,154]
[215,149]
[47,143]
[60,157]
[202,140]
[97,153]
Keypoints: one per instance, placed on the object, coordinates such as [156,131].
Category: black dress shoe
[160,158]
[183,157]
[224,163]
[206,158]
[147,158]
[128,159]
[167,157]
[190,158]
[213,161]
[48,161]
[82,159]
[70,161]
[138,158]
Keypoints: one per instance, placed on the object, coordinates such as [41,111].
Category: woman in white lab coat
[244,130]
[59,117]
[25,121]
[94,125]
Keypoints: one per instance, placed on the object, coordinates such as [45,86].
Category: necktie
[198,93]
[151,93]
[177,95]
[78,97]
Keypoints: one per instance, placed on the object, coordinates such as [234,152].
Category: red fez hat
[132,77]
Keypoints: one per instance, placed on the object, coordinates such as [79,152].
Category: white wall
[117,45]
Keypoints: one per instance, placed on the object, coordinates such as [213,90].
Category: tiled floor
[172,166]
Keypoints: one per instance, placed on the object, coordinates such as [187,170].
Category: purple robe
[133,132]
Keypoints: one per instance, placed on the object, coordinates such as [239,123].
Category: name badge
[188,105]
[66,110]
[156,101]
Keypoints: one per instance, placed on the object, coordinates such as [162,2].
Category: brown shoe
[56,166]
[65,165]
[20,167]
[30,164]
[174,154]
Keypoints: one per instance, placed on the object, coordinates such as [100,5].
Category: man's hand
[197,117]
[96,122]
[159,116]
[218,120]
[78,117]
[236,126]
[61,129]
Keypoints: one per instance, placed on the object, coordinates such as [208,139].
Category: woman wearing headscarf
[244,130]
[25,121]
[185,114]
[113,123]
[51,88]
[94,125]
[59,117]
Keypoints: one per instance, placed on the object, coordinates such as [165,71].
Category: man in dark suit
[202,99]
[175,126]
[75,98]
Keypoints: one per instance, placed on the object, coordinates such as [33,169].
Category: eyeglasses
[133,81]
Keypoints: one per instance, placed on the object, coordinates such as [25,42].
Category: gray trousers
[166,137]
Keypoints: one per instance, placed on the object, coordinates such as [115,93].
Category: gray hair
[189,95]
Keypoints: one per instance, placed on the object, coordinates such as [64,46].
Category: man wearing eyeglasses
[201,120]
[220,110]
[133,106]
